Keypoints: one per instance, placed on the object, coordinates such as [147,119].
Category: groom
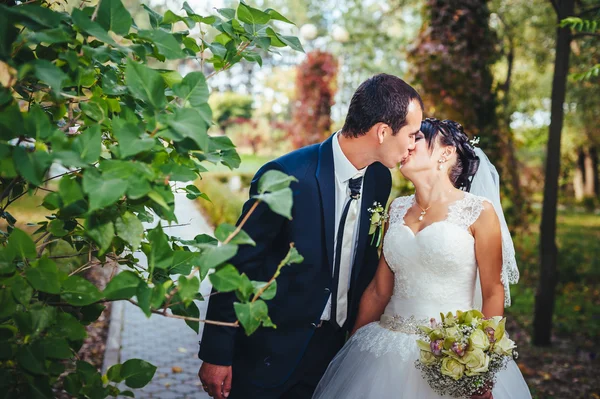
[317,301]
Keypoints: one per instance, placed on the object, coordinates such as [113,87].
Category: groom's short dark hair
[382,98]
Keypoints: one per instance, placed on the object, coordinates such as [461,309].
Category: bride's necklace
[423,211]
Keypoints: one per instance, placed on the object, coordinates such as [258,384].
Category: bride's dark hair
[452,133]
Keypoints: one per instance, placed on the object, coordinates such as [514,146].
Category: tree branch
[95,14]
[589,10]
[174,316]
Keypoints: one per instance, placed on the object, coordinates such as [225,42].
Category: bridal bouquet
[461,355]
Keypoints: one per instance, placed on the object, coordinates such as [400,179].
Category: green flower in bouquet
[452,368]
[476,362]
[427,358]
[378,219]
[505,346]
[479,339]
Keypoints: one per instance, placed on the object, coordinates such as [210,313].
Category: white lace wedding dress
[434,271]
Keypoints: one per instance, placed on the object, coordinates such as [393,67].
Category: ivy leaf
[101,232]
[137,373]
[128,136]
[192,88]
[224,230]
[251,314]
[251,15]
[277,16]
[32,165]
[91,28]
[130,228]
[187,123]
[280,201]
[56,227]
[43,276]
[122,286]
[165,42]
[226,278]
[78,291]
[68,326]
[145,83]
[112,15]
[31,359]
[274,180]
[159,252]
[228,13]
[22,291]
[56,348]
[213,256]
[20,245]
[50,74]
[88,144]
[8,306]
[70,190]
[102,191]
[188,288]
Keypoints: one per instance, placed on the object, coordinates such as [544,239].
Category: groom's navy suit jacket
[269,356]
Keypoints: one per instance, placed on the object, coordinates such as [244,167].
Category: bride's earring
[441,163]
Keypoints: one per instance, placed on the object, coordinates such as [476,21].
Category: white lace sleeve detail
[466,211]
[398,209]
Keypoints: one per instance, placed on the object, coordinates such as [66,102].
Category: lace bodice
[435,270]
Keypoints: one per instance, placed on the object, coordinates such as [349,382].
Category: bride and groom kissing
[445,248]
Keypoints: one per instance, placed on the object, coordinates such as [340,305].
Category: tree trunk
[544,300]
[578,184]
[589,178]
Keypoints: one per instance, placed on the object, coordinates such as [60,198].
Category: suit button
[327,290]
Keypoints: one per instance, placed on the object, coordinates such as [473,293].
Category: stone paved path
[167,343]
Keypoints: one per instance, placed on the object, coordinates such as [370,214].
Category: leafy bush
[76,91]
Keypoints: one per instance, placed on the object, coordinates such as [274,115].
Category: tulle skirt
[380,363]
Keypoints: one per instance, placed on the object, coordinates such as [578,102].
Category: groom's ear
[382,130]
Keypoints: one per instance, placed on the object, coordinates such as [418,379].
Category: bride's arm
[488,251]
[376,296]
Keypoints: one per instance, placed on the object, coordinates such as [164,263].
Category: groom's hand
[216,380]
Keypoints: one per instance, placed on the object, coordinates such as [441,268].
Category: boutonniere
[378,219]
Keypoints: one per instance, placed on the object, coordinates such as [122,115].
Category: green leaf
[213,256]
[50,74]
[193,88]
[31,359]
[137,373]
[32,165]
[188,288]
[187,123]
[79,292]
[8,306]
[224,230]
[90,27]
[56,348]
[91,313]
[20,245]
[43,276]
[159,252]
[68,326]
[69,190]
[41,15]
[102,192]
[274,180]
[165,42]
[280,201]
[22,291]
[183,261]
[245,289]
[145,83]
[269,293]
[122,286]
[129,139]
[226,278]
[114,373]
[144,296]
[251,15]
[292,42]
[189,311]
[250,315]
[88,144]
[112,15]
[155,18]
[277,16]
[228,13]
[130,229]
[101,232]
[38,123]
[293,257]
[57,228]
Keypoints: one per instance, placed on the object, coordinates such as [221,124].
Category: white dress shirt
[344,171]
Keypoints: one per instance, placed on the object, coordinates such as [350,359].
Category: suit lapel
[368,196]
[325,175]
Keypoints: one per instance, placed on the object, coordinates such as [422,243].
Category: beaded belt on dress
[407,325]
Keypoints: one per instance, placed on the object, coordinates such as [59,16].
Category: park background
[494,66]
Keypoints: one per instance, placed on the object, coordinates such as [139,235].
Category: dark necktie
[343,254]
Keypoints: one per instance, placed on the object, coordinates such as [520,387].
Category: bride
[445,249]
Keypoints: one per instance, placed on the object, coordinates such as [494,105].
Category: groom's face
[396,147]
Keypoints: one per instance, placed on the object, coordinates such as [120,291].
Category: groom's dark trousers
[287,362]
